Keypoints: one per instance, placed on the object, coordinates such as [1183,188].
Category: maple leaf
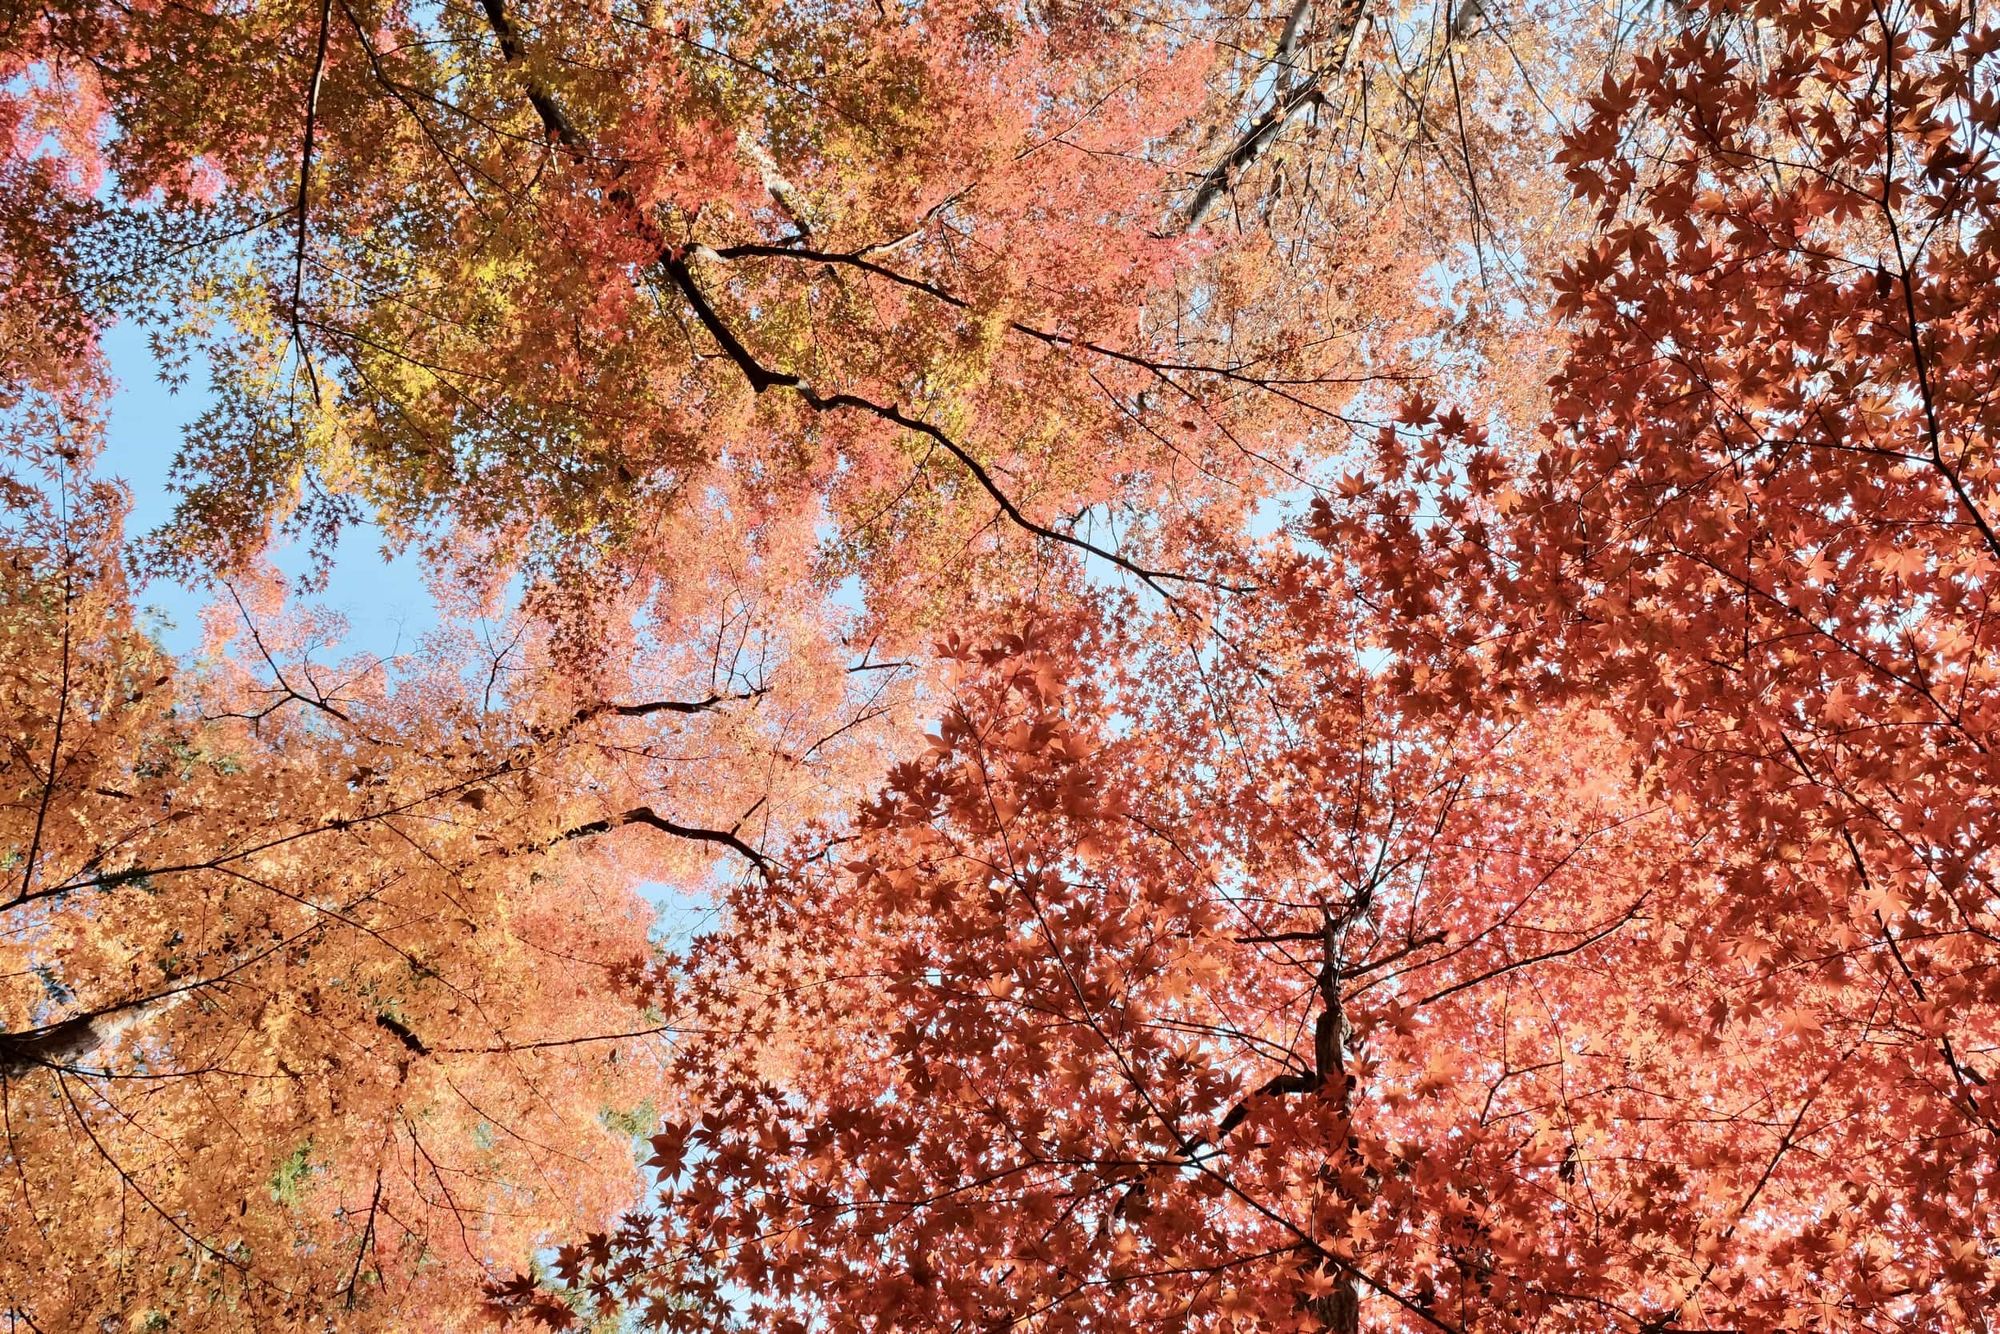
[1416,410]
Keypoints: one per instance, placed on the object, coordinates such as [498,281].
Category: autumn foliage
[1320,666]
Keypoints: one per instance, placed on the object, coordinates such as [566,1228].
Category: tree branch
[763,378]
[553,118]
[305,189]
[589,711]
[1291,99]
[60,1046]
[646,815]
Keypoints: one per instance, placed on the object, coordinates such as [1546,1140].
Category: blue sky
[387,605]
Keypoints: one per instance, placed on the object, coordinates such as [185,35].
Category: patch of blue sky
[384,598]
[680,914]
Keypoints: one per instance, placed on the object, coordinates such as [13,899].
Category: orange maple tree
[318,991]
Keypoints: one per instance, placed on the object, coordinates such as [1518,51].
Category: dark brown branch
[1330,1028]
[305,191]
[55,748]
[286,692]
[1282,1084]
[858,259]
[544,1044]
[1965,1076]
[1933,432]
[1616,925]
[83,1123]
[220,862]
[402,1033]
[367,1241]
[553,118]
[1356,970]
[646,815]
[589,711]
[763,378]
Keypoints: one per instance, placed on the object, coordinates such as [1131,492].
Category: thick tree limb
[650,707]
[402,1033]
[60,1046]
[1331,1031]
[554,119]
[646,815]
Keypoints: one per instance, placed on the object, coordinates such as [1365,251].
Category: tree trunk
[1339,1312]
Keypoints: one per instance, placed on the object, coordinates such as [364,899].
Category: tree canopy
[1313,666]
